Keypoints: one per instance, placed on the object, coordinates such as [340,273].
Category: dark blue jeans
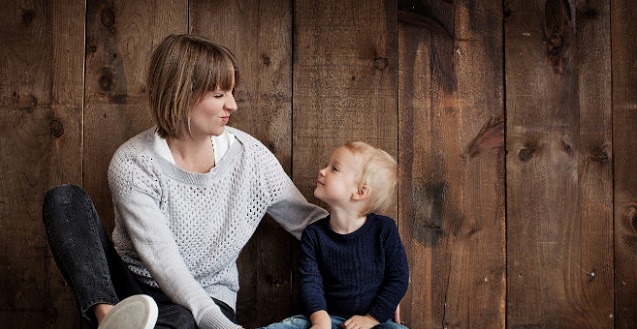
[95,272]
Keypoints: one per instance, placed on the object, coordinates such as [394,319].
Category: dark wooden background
[514,123]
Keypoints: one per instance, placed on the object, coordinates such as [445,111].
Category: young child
[353,265]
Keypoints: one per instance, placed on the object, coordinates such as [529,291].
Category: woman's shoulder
[137,144]
[242,136]
[132,150]
[253,147]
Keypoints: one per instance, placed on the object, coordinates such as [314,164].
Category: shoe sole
[134,312]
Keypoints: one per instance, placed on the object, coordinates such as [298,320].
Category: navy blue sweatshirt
[364,272]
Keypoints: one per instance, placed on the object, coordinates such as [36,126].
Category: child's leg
[83,251]
[293,322]
[389,325]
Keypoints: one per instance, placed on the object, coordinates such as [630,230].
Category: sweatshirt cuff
[381,314]
[214,319]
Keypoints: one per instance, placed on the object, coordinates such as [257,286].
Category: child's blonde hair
[379,174]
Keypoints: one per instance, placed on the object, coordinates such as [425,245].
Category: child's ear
[361,193]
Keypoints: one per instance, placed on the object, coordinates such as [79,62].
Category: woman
[188,195]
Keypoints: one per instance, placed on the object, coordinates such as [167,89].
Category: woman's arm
[153,241]
[136,197]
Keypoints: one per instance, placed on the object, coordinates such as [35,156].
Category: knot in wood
[526,154]
[106,80]
[107,17]
[266,60]
[27,17]
[56,128]
[380,63]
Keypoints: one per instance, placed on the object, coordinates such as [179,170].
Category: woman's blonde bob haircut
[379,174]
[182,70]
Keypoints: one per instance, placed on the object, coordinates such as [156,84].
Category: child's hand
[360,322]
[320,320]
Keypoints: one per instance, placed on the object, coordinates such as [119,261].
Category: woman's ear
[362,192]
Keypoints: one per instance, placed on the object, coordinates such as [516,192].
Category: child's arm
[361,321]
[311,289]
[396,276]
[320,320]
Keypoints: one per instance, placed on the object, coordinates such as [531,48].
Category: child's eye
[334,168]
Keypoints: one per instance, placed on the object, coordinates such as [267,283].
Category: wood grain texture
[442,85]
[624,64]
[344,82]
[452,174]
[345,74]
[41,72]
[559,173]
[259,33]
[120,38]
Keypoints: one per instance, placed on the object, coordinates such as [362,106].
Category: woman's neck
[193,154]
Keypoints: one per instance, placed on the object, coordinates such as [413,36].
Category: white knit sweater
[183,231]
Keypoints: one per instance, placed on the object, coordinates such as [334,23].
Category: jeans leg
[293,322]
[389,325]
[83,251]
[173,316]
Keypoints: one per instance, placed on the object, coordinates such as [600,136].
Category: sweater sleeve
[311,290]
[396,276]
[288,206]
[138,209]
[292,211]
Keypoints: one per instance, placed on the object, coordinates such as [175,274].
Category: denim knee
[389,325]
[63,194]
[175,316]
[293,322]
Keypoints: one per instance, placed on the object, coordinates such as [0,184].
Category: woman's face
[211,114]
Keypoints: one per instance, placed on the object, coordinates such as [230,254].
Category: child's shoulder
[319,224]
[381,219]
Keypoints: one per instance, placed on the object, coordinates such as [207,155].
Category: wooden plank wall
[559,168]
[513,123]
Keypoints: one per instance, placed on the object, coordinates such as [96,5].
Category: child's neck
[345,222]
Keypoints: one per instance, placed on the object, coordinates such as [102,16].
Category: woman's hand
[360,322]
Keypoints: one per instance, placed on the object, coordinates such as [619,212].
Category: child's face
[340,179]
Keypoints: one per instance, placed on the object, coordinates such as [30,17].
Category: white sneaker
[134,312]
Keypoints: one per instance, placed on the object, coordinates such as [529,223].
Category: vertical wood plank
[451,155]
[344,82]
[345,75]
[624,59]
[41,74]
[66,130]
[120,38]
[559,174]
[260,35]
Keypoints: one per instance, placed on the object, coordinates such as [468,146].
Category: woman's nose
[231,103]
